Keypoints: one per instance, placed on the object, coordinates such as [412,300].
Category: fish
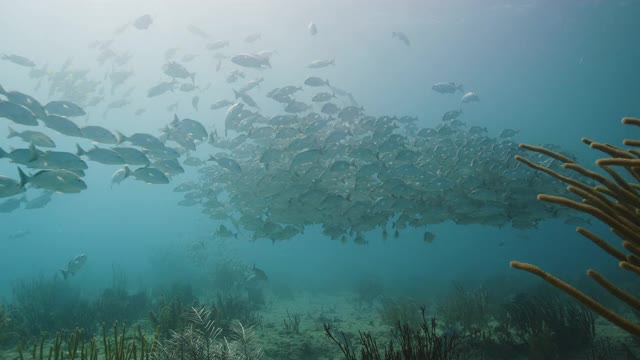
[451,115]
[161,88]
[330,109]
[103,156]
[188,87]
[10,187]
[176,70]
[56,160]
[20,156]
[470,97]
[251,61]
[313,30]
[18,60]
[25,100]
[98,134]
[258,275]
[218,44]
[20,234]
[17,113]
[119,175]
[319,64]
[220,104]
[142,140]
[226,163]
[295,107]
[168,166]
[11,205]
[132,156]
[197,31]
[428,237]
[322,97]
[251,85]
[62,125]
[194,102]
[63,181]
[251,38]
[508,133]
[64,108]
[447,88]
[74,265]
[246,98]
[34,137]
[316,81]
[40,201]
[143,22]
[150,175]
[401,36]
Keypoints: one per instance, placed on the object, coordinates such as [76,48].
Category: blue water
[557,71]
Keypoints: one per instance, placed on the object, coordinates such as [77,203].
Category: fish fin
[34,153]
[237,94]
[79,150]
[326,82]
[121,138]
[193,78]
[3,153]
[211,158]
[65,274]
[2,90]
[12,132]
[24,179]
[461,88]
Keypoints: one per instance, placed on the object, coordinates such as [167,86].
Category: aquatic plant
[75,346]
[5,326]
[399,310]
[615,201]
[229,275]
[465,307]
[116,304]
[411,343]
[368,290]
[200,340]
[292,323]
[48,305]
[230,308]
[550,325]
[169,316]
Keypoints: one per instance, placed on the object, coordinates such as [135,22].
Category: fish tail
[2,91]
[65,274]
[80,151]
[326,82]
[193,78]
[12,132]
[237,94]
[121,138]
[3,153]
[34,153]
[24,178]
[460,87]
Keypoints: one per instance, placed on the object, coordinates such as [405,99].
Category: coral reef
[229,309]
[399,310]
[549,325]
[467,308]
[615,201]
[200,340]
[5,327]
[49,305]
[422,343]
[118,347]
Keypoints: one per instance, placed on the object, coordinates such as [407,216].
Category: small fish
[18,60]
[258,274]
[143,22]
[34,137]
[74,265]
[470,97]
[252,38]
[316,81]
[197,31]
[319,64]
[119,176]
[428,237]
[451,115]
[402,37]
[20,234]
[218,44]
[63,181]
[447,88]
[194,102]
[313,30]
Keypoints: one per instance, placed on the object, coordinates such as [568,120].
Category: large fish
[74,265]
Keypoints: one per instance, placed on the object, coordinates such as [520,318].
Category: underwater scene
[283,180]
